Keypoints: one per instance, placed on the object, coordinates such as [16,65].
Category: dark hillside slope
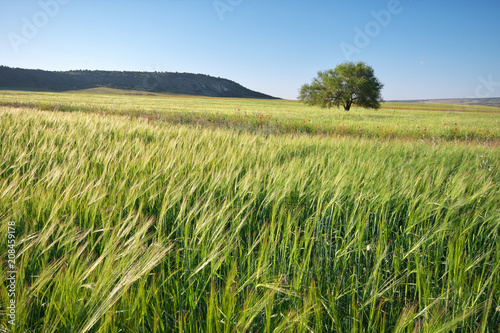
[162,82]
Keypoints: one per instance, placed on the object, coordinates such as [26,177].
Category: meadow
[154,213]
[427,122]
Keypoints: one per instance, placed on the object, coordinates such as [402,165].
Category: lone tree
[348,84]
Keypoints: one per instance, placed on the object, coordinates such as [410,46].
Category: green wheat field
[158,213]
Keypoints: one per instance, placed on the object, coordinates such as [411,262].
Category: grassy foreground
[132,225]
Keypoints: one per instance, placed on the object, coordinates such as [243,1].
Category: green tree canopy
[346,85]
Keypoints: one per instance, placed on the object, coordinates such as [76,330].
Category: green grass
[406,121]
[145,224]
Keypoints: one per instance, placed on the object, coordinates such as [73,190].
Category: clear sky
[419,49]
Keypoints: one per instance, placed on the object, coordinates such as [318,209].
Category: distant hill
[158,82]
[493,101]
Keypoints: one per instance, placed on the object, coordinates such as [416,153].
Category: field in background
[167,213]
[492,101]
[407,121]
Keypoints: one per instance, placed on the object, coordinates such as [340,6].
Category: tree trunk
[347,105]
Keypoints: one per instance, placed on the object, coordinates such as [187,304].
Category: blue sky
[419,49]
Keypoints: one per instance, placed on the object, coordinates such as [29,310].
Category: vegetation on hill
[164,82]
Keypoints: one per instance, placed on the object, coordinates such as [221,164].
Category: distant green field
[394,120]
[138,213]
